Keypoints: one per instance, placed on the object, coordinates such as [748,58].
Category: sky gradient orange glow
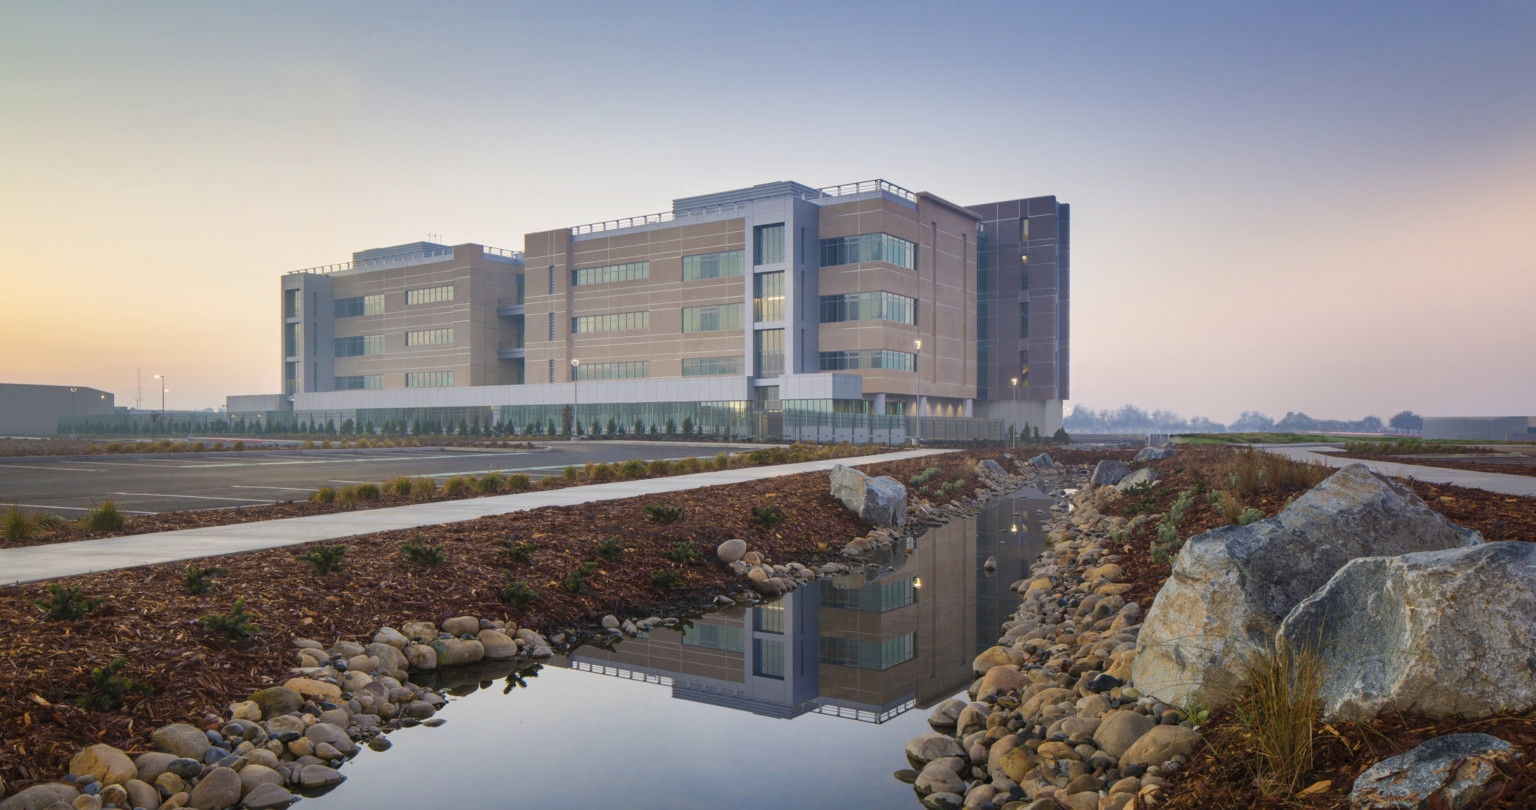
[1277,206]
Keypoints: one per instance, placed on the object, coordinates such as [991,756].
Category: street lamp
[575,396]
[74,415]
[1015,411]
[161,378]
[918,368]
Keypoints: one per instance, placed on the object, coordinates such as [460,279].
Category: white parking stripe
[198,497]
[49,469]
[73,508]
[254,486]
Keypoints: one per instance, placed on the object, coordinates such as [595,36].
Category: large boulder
[1434,633]
[1450,772]
[1145,475]
[1042,461]
[1107,473]
[1153,453]
[880,501]
[105,764]
[1231,587]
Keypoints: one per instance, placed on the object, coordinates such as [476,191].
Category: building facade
[777,310]
[37,409]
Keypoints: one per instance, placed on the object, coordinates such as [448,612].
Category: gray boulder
[1435,633]
[182,740]
[38,797]
[880,501]
[731,550]
[1153,453]
[1043,461]
[1449,771]
[1231,587]
[1107,473]
[993,469]
[1145,475]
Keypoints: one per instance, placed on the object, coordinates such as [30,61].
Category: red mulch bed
[150,619]
[1451,464]
[1216,777]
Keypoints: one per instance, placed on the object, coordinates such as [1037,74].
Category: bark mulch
[1217,775]
[150,619]
[1511,468]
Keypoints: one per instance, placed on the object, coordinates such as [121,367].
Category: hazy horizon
[1299,207]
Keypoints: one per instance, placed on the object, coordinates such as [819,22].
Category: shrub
[684,552]
[1180,507]
[347,497]
[17,525]
[239,446]
[576,581]
[659,467]
[767,516]
[1167,542]
[758,457]
[418,552]
[923,477]
[48,521]
[586,471]
[424,488]
[107,688]
[105,517]
[200,579]
[459,485]
[1250,515]
[491,482]
[1277,709]
[610,549]
[518,551]
[671,580]
[518,482]
[663,514]
[235,624]
[723,461]
[65,603]
[634,468]
[309,444]
[602,472]
[326,559]
[690,465]
[399,486]
[324,495]
[517,593]
[569,473]
[367,492]
[551,481]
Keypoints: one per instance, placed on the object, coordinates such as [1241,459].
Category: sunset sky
[1317,206]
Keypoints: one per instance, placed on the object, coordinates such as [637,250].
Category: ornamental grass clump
[517,482]
[17,525]
[235,624]
[324,495]
[634,468]
[491,482]
[105,517]
[423,488]
[400,485]
[459,485]
[367,492]
[1276,709]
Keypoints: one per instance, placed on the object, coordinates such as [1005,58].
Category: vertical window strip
[768,244]
[768,297]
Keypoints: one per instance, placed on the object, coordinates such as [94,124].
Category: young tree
[1407,420]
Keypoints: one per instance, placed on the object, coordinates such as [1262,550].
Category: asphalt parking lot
[67,486]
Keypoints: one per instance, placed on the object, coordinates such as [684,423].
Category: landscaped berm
[1229,628]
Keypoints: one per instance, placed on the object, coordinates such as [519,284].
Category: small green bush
[517,593]
[324,495]
[658,467]
[518,551]
[671,580]
[235,624]
[347,497]
[684,552]
[106,517]
[200,579]
[602,472]
[424,488]
[17,525]
[418,552]
[634,468]
[1180,507]
[576,581]
[398,486]
[610,549]
[459,485]
[767,516]
[326,559]
[518,482]
[1250,515]
[367,492]
[723,461]
[663,514]
[923,477]
[107,688]
[569,473]
[491,482]
[1166,544]
[65,603]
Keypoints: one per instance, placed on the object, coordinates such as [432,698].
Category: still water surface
[806,702]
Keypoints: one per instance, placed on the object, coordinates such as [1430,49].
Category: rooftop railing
[398,260]
[843,190]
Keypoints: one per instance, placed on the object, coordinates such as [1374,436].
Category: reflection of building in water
[856,646]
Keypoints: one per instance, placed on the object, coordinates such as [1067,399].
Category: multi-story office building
[778,309]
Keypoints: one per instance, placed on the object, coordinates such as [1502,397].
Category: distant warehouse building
[1481,428]
[35,409]
[775,311]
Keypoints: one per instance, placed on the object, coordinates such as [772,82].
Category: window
[551,279]
[713,366]
[868,306]
[1024,230]
[869,247]
[869,359]
[551,330]
[1024,368]
[1024,319]
[614,322]
[769,618]
[429,295]
[359,382]
[290,378]
[292,339]
[712,318]
[871,655]
[361,305]
[429,379]
[429,337]
[768,659]
[714,637]
[768,297]
[521,289]
[551,366]
[357,346]
[613,371]
[608,274]
[768,244]
[880,597]
[725,264]
[293,304]
[768,352]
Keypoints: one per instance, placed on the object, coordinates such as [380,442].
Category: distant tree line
[1132,419]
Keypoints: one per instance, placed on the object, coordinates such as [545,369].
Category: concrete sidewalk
[33,563]
[1491,482]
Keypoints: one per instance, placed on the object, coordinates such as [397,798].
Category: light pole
[917,367]
[74,415]
[1015,411]
[575,396]
[161,378]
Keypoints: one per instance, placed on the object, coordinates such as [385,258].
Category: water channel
[806,702]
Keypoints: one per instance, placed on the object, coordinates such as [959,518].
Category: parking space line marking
[49,469]
[253,486]
[73,508]
[198,497]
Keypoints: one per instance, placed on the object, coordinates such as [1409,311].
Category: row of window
[360,345]
[869,247]
[713,366]
[869,359]
[429,379]
[607,274]
[872,655]
[429,337]
[360,305]
[359,382]
[878,598]
[714,318]
[868,306]
[613,322]
[726,264]
[626,370]
[429,295]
